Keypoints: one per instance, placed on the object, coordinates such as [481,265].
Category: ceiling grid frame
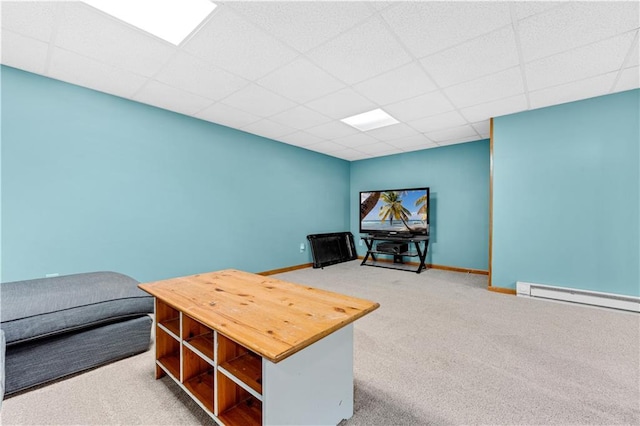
[27,26]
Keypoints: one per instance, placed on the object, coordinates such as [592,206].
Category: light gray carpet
[441,349]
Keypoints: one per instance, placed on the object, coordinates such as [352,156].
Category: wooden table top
[270,317]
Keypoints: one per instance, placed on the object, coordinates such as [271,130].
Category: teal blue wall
[566,196]
[95,182]
[458,178]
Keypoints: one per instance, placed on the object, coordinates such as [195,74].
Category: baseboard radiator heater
[607,300]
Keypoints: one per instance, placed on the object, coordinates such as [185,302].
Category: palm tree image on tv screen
[395,211]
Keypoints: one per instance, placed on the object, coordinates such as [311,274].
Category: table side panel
[314,386]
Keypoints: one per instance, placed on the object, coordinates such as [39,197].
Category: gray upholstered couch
[2,348]
[58,326]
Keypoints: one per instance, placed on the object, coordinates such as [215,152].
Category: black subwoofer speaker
[392,247]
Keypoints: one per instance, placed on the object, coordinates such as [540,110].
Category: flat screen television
[401,212]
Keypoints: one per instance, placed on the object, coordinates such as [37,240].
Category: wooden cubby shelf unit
[167,354]
[236,405]
[199,338]
[247,368]
[249,364]
[226,382]
[240,365]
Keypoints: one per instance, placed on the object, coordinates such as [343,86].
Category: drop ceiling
[290,71]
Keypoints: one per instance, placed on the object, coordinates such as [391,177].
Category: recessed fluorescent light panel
[171,20]
[370,120]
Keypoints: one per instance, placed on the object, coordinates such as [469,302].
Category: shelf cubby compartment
[168,318]
[236,406]
[247,368]
[198,337]
[241,363]
[198,377]
[167,354]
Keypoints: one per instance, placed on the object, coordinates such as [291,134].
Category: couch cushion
[48,306]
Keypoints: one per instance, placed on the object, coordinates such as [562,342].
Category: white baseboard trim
[596,298]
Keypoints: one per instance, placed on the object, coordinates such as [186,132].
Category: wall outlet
[360,243]
[55,274]
[301,247]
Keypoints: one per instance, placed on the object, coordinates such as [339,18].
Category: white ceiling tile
[428,27]
[524,9]
[575,24]
[573,91]
[634,53]
[350,154]
[495,86]
[413,142]
[577,64]
[395,131]
[364,156]
[300,139]
[230,42]
[379,148]
[258,101]
[419,107]
[629,79]
[401,83]
[380,5]
[170,98]
[227,116]
[354,141]
[301,81]
[332,129]
[497,108]
[199,77]
[268,128]
[392,151]
[339,152]
[32,19]
[342,104]
[300,117]
[326,146]
[438,122]
[456,133]
[77,69]
[473,59]
[304,25]
[23,52]
[90,33]
[418,148]
[457,141]
[360,53]
[482,127]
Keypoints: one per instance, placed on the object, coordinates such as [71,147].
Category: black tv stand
[399,251]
